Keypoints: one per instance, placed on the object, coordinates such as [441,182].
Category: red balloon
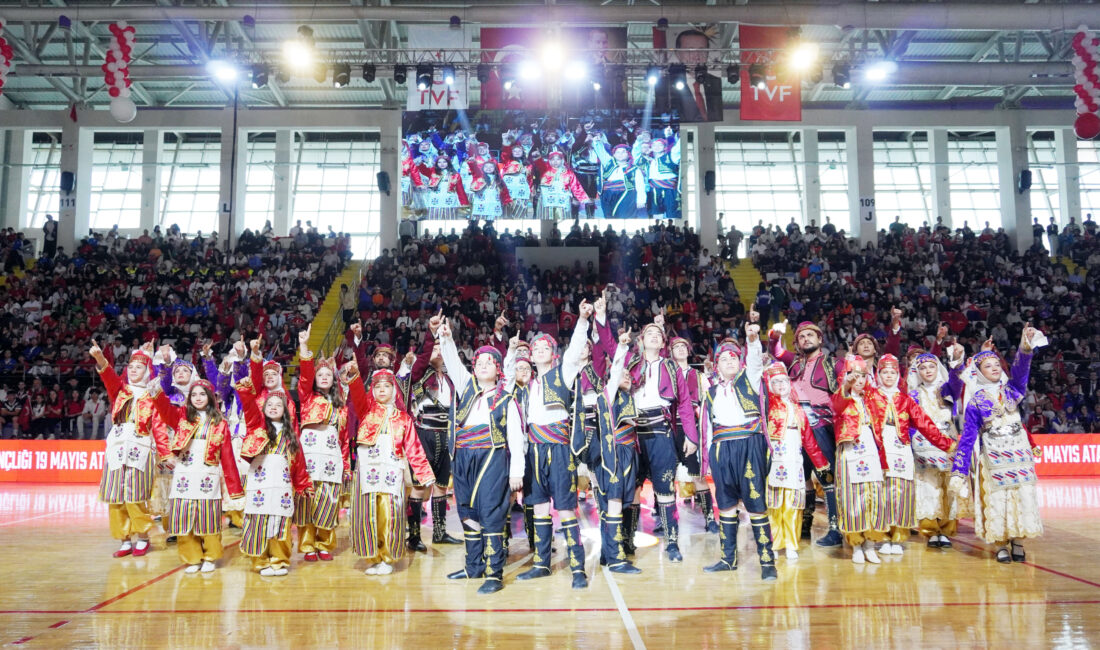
[114,92]
[128,82]
[104,68]
[1,83]
[109,79]
[1087,126]
[130,28]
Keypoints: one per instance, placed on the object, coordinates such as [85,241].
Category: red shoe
[123,552]
[311,557]
[325,555]
[140,550]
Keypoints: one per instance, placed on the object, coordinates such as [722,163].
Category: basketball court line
[43,516]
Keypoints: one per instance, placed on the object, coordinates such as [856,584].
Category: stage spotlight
[842,75]
[529,70]
[259,76]
[456,22]
[552,55]
[733,74]
[662,24]
[368,72]
[508,76]
[400,74]
[756,76]
[482,72]
[341,75]
[653,75]
[424,73]
[320,73]
[880,71]
[282,75]
[449,75]
[700,74]
[804,56]
[598,74]
[576,70]
[222,70]
[677,74]
[298,52]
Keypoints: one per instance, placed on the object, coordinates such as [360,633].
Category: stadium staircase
[746,278]
[328,323]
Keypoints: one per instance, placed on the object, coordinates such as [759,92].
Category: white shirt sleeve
[755,363]
[571,360]
[517,442]
[460,377]
[509,371]
[618,366]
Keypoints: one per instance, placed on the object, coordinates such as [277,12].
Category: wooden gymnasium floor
[61,588]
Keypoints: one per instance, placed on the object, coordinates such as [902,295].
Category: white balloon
[122,24]
[125,93]
[123,109]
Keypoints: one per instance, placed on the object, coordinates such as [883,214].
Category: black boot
[671,523]
[708,512]
[808,514]
[762,533]
[833,537]
[495,554]
[475,555]
[572,530]
[529,525]
[439,522]
[630,524]
[544,532]
[727,534]
[612,554]
[413,514]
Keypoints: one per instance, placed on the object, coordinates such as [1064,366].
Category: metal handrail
[335,331]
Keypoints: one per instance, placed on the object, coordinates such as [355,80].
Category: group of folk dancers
[527,418]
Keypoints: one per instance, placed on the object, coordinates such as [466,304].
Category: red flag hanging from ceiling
[781,97]
[507,48]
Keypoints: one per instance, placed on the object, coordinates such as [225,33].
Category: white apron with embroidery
[926,455]
[862,458]
[125,448]
[899,456]
[380,469]
[442,199]
[555,195]
[324,461]
[269,488]
[193,478]
[1007,453]
[786,471]
[486,203]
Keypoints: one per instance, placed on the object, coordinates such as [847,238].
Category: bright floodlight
[552,55]
[576,70]
[223,71]
[653,75]
[528,70]
[880,71]
[804,56]
[298,55]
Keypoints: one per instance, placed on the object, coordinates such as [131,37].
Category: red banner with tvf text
[781,97]
[51,461]
[1068,454]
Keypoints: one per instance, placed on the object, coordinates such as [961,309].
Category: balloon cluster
[116,72]
[1086,51]
[6,56]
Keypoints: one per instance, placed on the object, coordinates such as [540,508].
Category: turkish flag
[507,47]
[781,98]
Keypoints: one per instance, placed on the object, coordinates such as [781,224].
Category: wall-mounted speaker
[384,183]
[68,182]
[1025,180]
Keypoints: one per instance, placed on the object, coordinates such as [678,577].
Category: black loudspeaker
[384,183]
[68,182]
[708,181]
[1025,180]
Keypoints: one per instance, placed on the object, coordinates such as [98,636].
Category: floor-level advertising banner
[1069,454]
[51,461]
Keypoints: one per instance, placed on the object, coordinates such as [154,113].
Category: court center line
[624,611]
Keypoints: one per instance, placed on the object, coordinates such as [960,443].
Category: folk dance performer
[813,376]
[267,378]
[234,367]
[903,415]
[430,403]
[203,460]
[276,473]
[555,432]
[324,437]
[790,436]
[937,390]
[1006,505]
[487,453]
[697,384]
[387,444]
[558,188]
[136,442]
[861,461]
[737,449]
[174,378]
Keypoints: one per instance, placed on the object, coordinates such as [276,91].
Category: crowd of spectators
[162,287]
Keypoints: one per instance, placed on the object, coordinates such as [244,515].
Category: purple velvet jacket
[981,408]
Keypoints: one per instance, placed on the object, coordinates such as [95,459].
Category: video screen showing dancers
[489,165]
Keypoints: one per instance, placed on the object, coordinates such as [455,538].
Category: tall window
[191,181]
[975,187]
[1088,160]
[116,181]
[43,190]
[832,173]
[260,178]
[1044,176]
[758,178]
[336,186]
[903,183]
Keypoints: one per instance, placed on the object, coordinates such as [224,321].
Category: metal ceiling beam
[372,41]
[27,55]
[272,83]
[940,16]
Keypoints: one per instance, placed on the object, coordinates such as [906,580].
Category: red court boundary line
[354,610]
[1037,566]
